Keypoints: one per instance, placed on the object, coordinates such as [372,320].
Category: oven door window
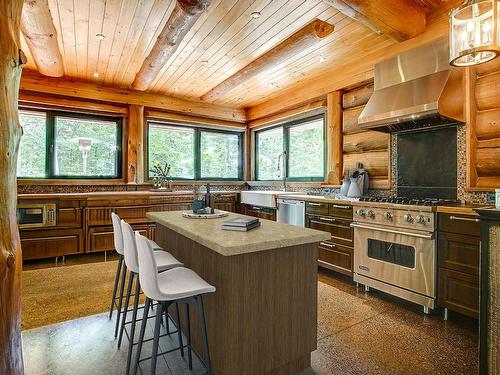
[401,255]
[30,215]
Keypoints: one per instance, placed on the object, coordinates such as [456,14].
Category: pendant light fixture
[474,32]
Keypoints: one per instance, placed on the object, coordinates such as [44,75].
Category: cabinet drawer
[460,224]
[69,217]
[102,239]
[458,252]
[260,212]
[335,257]
[459,292]
[340,229]
[340,210]
[51,246]
[317,208]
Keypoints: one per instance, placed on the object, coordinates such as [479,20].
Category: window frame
[50,129]
[286,126]
[197,130]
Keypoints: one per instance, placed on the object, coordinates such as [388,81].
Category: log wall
[360,146]
[483,141]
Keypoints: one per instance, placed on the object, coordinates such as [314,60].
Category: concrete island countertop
[208,232]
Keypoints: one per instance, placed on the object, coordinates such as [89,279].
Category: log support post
[334,137]
[11,61]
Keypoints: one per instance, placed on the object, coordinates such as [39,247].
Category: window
[195,153]
[57,145]
[298,145]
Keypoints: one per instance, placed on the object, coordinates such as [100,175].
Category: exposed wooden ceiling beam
[41,37]
[400,19]
[296,43]
[32,81]
[183,17]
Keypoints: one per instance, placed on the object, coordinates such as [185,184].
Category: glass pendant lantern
[474,32]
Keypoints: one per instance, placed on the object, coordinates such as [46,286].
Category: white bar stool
[164,261]
[121,270]
[178,285]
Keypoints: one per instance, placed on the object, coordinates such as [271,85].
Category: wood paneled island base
[262,318]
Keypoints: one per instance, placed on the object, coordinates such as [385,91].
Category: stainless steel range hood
[408,90]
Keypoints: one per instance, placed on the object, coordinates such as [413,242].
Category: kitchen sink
[263,198]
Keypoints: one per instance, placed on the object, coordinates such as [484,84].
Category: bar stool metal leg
[203,330]
[115,287]
[132,329]
[179,333]
[125,309]
[119,310]
[156,339]
[141,334]
[188,334]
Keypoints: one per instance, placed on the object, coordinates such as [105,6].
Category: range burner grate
[409,201]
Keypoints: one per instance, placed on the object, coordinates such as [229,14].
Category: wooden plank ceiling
[224,39]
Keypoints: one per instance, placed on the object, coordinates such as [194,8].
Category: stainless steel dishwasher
[291,211]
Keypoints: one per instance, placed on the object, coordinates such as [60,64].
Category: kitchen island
[262,317]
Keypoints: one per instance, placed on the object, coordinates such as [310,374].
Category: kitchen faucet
[282,156]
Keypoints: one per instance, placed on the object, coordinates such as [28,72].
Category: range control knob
[388,215]
[360,212]
[422,219]
[408,218]
[371,214]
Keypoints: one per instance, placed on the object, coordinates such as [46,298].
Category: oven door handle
[429,236]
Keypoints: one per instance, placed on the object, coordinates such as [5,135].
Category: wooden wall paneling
[169,116]
[61,103]
[282,116]
[487,159]
[470,110]
[488,123]
[11,61]
[357,97]
[34,82]
[366,141]
[41,37]
[334,138]
[375,162]
[399,19]
[350,120]
[487,91]
[492,66]
[301,39]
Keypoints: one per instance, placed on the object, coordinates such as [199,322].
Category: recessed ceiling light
[95,74]
[100,36]
[176,89]
[240,99]
[255,15]
[204,62]
[322,59]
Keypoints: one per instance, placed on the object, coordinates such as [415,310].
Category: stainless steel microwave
[36,215]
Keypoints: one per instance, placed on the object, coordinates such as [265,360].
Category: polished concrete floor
[358,333]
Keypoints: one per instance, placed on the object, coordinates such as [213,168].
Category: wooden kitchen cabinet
[458,260]
[337,253]
[84,224]
[260,212]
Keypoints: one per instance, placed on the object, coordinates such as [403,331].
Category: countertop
[119,194]
[208,232]
[459,209]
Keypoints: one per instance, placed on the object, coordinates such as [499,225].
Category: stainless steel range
[395,247]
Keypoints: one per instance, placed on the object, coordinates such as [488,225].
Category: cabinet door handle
[327,245]
[330,219]
[316,204]
[464,219]
[342,207]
